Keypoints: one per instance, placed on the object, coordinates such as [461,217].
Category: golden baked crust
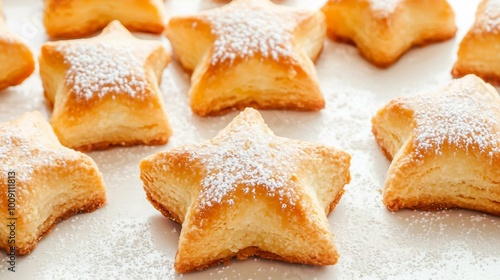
[78,18]
[51,182]
[103,88]
[248,192]
[479,51]
[444,146]
[250,53]
[383,30]
[16,59]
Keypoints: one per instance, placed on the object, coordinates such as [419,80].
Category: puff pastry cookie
[16,59]
[105,90]
[479,51]
[383,30]
[250,53]
[41,182]
[445,148]
[77,18]
[248,192]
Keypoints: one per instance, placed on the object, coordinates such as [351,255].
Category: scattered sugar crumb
[126,250]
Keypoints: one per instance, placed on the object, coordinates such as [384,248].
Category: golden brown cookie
[383,30]
[479,51]
[250,53]
[444,146]
[16,59]
[41,182]
[104,90]
[78,18]
[220,190]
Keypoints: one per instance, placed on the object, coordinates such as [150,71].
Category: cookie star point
[248,192]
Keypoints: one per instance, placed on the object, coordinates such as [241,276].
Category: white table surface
[129,239]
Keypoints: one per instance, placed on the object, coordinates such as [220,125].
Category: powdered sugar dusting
[245,32]
[12,148]
[490,20]
[462,116]
[102,68]
[125,251]
[128,239]
[384,7]
[22,154]
[246,156]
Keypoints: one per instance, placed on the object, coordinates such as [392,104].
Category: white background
[129,239]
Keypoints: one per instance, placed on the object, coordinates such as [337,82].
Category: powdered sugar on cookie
[98,69]
[464,116]
[384,8]
[490,20]
[22,153]
[242,32]
[243,156]
[12,150]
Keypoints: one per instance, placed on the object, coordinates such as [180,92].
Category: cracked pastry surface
[17,62]
[79,18]
[103,88]
[479,51]
[444,147]
[248,192]
[383,30]
[250,53]
[50,182]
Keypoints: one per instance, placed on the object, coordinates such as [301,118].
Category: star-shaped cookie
[479,51]
[248,192]
[383,30]
[444,146]
[105,90]
[16,59]
[41,182]
[78,18]
[250,53]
